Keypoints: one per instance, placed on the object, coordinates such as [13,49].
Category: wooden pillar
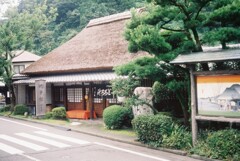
[65,96]
[53,95]
[91,94]
[193,106]
[83,97]
[26,94]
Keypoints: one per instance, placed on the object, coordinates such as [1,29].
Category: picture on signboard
[218,95]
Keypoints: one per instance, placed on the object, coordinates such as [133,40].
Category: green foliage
[145,67]
[18,33]
[147,38]
[59,113]
[151,129]
[222,144]
[223,24]
[115,117]
[48,115]
[5,108]
[180,138]
[20,109]
[161,131]
[160,91]
[124,86]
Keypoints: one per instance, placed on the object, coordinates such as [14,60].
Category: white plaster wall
[26,64]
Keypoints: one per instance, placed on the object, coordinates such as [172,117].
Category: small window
[18,68]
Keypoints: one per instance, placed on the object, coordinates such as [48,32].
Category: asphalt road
[27,141]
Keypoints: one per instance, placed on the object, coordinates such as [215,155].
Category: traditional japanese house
[77,73]
[21,60]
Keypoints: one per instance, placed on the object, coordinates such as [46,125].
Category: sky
[5,4]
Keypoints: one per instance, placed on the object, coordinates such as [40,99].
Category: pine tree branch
[165,28]
[200,9]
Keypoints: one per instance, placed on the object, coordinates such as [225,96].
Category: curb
[178,152]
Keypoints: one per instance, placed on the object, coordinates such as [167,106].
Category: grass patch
[127,131]
[52,121]
[6,113]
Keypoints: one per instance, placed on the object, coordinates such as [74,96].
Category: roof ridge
[109,18]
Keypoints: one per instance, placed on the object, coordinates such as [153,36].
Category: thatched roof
[99,46]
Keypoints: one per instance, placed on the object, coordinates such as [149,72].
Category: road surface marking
[69,139]
[23,124]
[23,143]
[29,157]
[9,149]
[132,152]
[43,140]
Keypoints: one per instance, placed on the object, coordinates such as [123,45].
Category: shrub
[127,120]
[48,115]
[115,117]
[20,109]
[222,144]
[180,138]
[5,108]
[150,129]
[59,113]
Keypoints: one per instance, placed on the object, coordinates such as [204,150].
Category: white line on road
[43,140]
[23,143]
[132,152]
[23,124]
[9,149]
[69,139]
[29,157]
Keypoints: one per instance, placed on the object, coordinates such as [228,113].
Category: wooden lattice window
[74,94]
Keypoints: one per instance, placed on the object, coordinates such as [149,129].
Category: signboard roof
[208,56]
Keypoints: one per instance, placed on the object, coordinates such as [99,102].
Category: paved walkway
[96,128]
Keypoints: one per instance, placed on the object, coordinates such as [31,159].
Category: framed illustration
[218,95]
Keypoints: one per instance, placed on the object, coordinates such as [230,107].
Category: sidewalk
[96,128]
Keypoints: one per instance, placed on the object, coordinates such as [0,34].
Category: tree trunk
[197,40]
[224,45]
[205,66]
[12,97]
[184,109]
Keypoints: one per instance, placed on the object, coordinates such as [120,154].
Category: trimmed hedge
[20,109]
[150,129]
[115,117]
[59,113]
[48,115]
[161,131]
